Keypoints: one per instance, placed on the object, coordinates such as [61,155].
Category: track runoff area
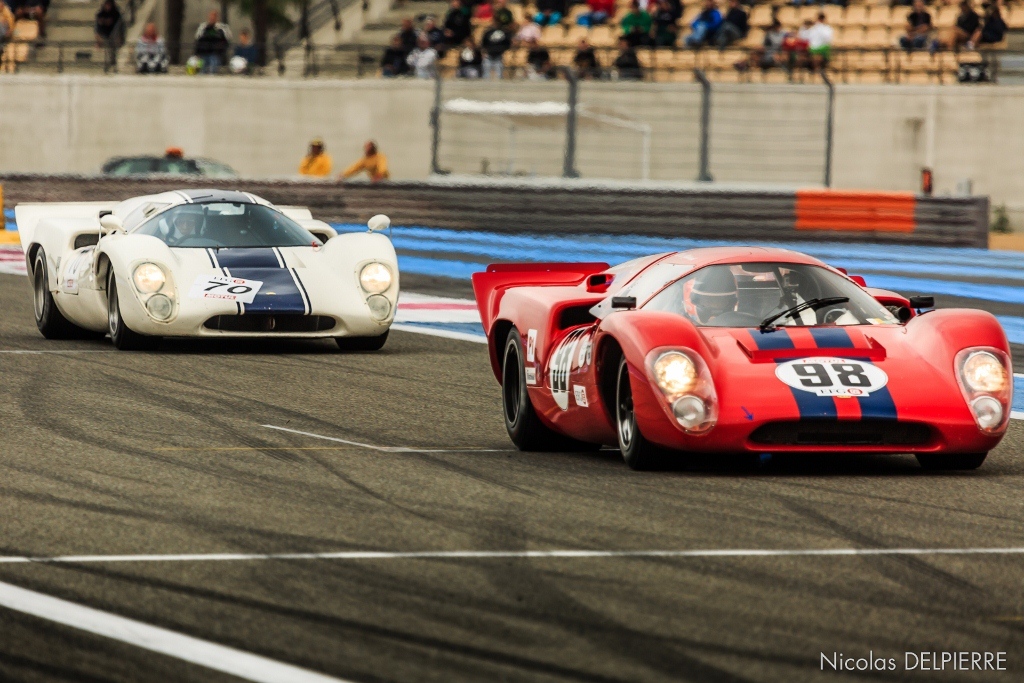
[282,511]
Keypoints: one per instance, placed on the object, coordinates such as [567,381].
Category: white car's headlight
[675,373]
[982,371]
[149,278]
[375,278]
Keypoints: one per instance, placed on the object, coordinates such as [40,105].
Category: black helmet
[714,292]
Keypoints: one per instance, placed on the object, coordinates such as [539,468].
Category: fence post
[704,173]
[435,125]
[829,116]
[569,162]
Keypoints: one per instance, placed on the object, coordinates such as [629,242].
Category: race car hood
[278,270]
[830,373]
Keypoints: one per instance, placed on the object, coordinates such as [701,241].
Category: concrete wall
[884,134]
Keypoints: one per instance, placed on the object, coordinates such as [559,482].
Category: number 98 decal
[832,376]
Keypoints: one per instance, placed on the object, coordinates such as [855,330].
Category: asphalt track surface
[111,453]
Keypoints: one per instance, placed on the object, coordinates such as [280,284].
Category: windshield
[226,224]
[742,295]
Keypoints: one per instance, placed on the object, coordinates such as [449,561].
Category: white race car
[205,263]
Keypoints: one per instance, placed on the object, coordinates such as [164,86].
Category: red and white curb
[12,259]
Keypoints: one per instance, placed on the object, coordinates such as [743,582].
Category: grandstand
[346,38]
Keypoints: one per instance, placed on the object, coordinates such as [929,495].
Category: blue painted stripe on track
[968,290]
[1018,394]
[1014,328]
[466,328]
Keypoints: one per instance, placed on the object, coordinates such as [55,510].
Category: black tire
[50,321]
[123,338]
[951,461]
[525,429]
[637,451]
[362,343]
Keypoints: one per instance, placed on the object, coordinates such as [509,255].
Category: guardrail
[710,212]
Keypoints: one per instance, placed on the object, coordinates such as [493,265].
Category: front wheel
[362,343]
[951,461]
[123,338]
[637,451]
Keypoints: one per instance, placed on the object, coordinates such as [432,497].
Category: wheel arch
[608,353]
[499,333]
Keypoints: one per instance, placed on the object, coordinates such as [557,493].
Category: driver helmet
[187,220]
[714,293]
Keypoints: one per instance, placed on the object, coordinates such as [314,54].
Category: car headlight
[375,278]
[160,306]
[379,306]
[675,373]
[983,372]
[149,278]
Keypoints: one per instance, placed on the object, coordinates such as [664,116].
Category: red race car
[739,350]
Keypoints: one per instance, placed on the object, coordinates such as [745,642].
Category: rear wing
[28,216]
[490,285]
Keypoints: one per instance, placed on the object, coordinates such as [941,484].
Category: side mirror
[110,224]
[624,302]
[920,302]
[378,223]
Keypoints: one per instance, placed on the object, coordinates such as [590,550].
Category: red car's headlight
[682,377]
[986,381]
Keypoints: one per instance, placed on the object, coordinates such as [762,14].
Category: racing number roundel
[561,365]
[832,376]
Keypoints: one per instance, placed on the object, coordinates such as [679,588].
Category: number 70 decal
[225,288]
[832,376]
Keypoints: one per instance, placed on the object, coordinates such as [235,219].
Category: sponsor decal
[839,377]
[225,288]
[580,394]
[561,364]
[531,375]
[72,276]
[531,345]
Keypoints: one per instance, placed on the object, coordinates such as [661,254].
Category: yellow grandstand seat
[787,15]
[898,18]
[683,60]
[879,15]
[576,12]
[575,34]
[947,16]
[553,36]
[850,36]
[1014,17]
[877,36]
[856,15]
[807,13]
[760,15]
[603,36]
[834,14]
[755,38]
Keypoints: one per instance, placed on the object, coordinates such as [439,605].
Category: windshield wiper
[812,304]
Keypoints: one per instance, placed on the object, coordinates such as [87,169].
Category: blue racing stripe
[831,338]
[878,404]
[810,405]
[248,258]
[279,293]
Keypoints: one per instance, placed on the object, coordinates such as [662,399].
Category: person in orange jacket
[316,164]
[373,162]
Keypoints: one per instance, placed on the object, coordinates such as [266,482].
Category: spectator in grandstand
[527,32]
[434,35]
[6,24]
[636,25]
[457,23]
[664,18]
[109,25]
[585,61]
[373,162]
[423,59]
[600,12]
[393,62]
[918,26]
[549,12]
[470,59]
[538,62]
[966,32]
[769,55]
[735,26]
[496,42]
[994,29]
[627,64]
[496,11]
[31,10]
[212,42]
[317,163]
[819,42]
[247,50]
[150,52]
[408,35]
[705,25]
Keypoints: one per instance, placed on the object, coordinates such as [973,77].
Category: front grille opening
[842,433]
[267,323]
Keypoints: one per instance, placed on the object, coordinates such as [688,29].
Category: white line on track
[34,352]
[386,449]
[438,332]
[508,554]
[193,650]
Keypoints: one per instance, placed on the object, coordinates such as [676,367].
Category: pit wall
[884,135]
[596,208]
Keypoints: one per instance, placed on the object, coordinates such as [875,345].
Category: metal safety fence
[633,130]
